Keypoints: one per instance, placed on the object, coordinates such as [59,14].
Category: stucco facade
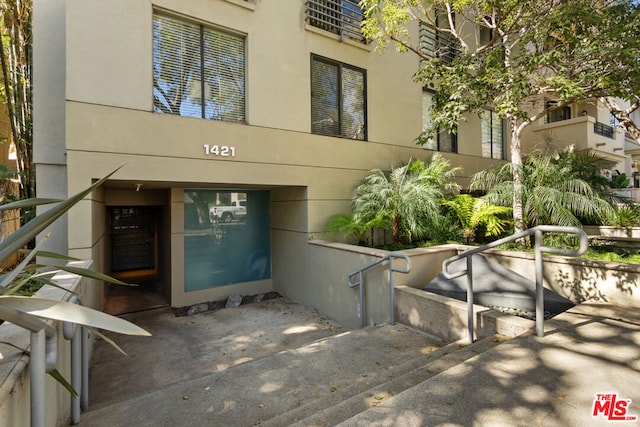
[94,113]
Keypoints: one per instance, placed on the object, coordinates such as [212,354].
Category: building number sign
[219,150]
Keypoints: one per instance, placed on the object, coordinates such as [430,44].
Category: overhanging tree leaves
[513,55]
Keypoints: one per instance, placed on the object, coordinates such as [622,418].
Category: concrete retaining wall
[447,318]
[326,273]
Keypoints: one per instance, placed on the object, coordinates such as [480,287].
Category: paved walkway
[592,350]
[184,372]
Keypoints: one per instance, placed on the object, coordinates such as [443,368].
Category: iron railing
[79,338]
[360,283]
[603,129]
[436,43]
[42,357]
[341,17]
[537,232]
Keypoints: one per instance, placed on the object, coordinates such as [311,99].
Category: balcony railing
[438,44]
[341,17]
[604,130]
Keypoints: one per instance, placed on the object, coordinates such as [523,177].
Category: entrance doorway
[133,232]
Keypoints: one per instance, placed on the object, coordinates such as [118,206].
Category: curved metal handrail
[360,282]
[539,250]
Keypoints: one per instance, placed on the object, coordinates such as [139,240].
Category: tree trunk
[623,116]
[516,161]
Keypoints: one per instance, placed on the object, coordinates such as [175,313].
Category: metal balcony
[341,17]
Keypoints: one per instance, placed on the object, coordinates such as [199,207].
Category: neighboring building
[213,102]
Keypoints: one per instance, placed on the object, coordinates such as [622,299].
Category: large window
[492,136]
[442,140]
[338,102]
[555,114]
[197,71]
[226,238]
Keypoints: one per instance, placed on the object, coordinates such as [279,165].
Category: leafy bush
[626,215]
[408,197]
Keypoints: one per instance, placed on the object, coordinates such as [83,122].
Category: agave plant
[29,311]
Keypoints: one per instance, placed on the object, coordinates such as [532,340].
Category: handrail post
[539,287]
[37,373]
[470,298]
[362,303]
[537,232]
[391,294]
[84,395]
[73,332]
[360,283]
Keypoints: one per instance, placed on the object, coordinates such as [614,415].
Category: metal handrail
[79,365]
[360,282]
[42,359]
[539,250]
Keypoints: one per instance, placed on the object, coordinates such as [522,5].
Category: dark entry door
[133,240]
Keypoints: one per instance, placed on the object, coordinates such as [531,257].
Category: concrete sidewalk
[276,362]
[590,350]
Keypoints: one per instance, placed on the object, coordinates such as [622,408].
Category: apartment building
[277,107]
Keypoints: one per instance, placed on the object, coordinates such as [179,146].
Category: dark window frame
[440,133]
[205,76]
[558,114]
[340,66]
[492,141]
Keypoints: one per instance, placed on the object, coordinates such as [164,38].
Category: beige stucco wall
[106,62]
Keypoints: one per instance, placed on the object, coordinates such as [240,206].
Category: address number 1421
[219,150]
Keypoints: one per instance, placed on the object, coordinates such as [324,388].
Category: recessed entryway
[134,259]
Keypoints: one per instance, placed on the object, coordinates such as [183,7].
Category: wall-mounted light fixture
[584,113]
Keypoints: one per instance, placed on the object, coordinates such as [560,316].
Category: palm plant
[407,197]
[348,225]
[554,192]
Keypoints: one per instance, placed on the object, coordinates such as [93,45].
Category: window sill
[336,37]
[245,4]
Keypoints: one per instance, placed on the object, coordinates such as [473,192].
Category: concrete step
[326,413]
[268,388]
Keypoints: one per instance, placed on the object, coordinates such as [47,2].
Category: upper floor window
[338,100]
[443,140]
[197,71]
[492,136]
[342,17]
[437,43]
[556,114]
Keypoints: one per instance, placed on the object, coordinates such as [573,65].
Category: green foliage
[553,191]
[26,311]
[625,215]
[537,50]
[351,226]
[407,197]
[620,181]
[474,214]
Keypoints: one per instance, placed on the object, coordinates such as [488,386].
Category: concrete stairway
[322,382]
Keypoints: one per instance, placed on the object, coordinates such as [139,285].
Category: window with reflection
[226,237]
